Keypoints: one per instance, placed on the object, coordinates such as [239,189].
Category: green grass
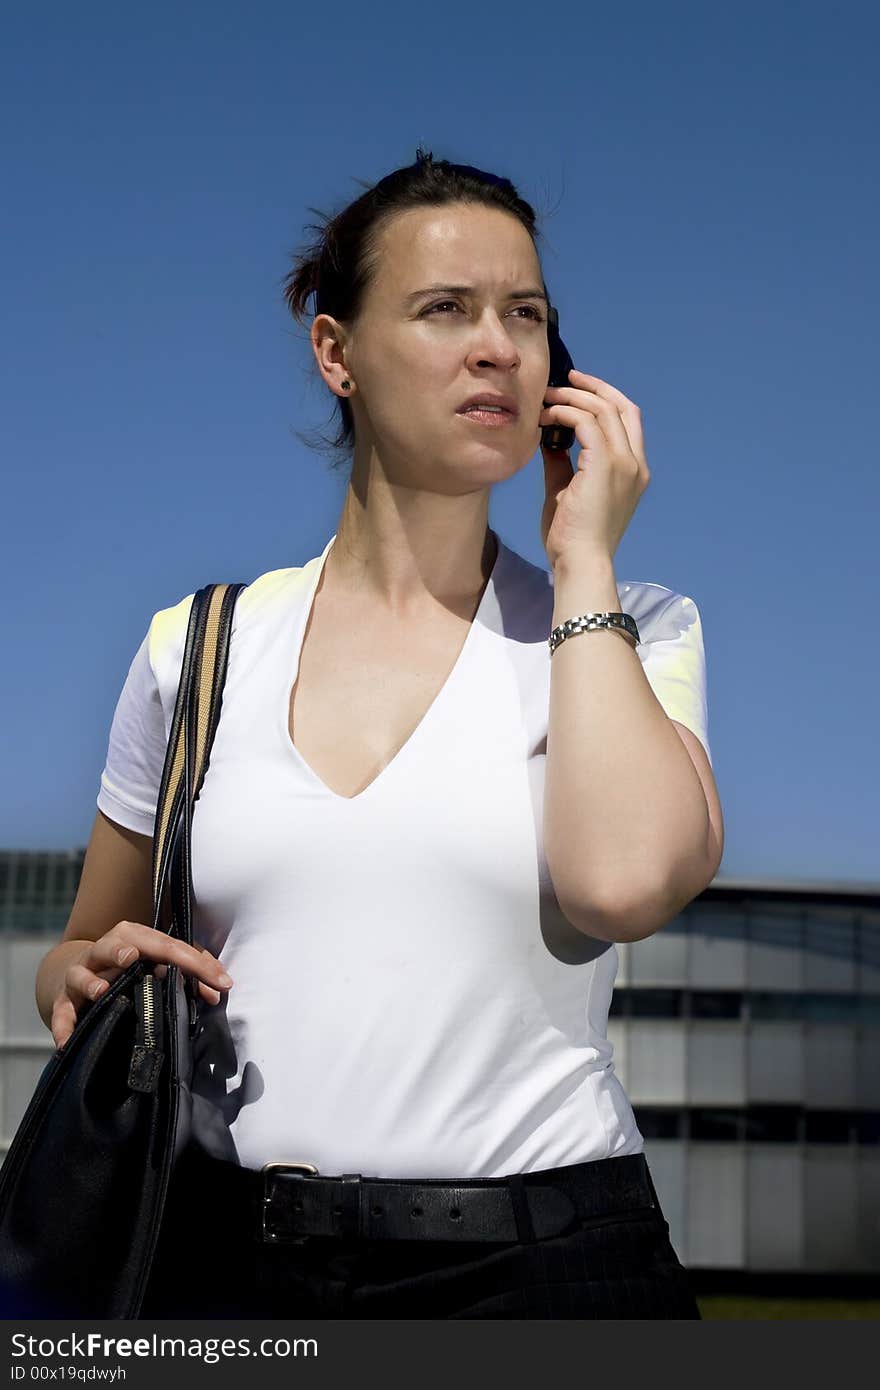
[735,1306]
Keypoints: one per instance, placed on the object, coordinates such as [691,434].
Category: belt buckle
[267,1169]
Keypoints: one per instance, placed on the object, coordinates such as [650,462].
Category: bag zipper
[146,1016]
[147,1055]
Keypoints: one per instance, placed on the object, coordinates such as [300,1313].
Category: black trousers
[211,1262]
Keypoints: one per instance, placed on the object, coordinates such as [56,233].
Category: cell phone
[557,436]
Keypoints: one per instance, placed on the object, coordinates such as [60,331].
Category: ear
[329,342]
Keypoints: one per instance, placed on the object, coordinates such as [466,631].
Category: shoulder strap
[193,725]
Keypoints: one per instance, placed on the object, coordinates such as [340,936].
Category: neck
[407,560]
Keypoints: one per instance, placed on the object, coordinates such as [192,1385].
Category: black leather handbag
[84,1182]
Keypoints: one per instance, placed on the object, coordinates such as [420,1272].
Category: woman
[419,924]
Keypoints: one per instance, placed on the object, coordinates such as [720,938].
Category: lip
[507,403]
[489,419]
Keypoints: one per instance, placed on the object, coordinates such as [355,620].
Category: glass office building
[745,1033]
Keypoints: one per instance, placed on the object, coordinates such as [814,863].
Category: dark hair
[340,262]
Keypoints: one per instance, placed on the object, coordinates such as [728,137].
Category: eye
[534,313]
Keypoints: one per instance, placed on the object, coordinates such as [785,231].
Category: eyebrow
[469,290]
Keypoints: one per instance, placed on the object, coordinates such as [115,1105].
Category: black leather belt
[293,1201]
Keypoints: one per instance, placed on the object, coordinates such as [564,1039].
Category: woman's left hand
[588,508]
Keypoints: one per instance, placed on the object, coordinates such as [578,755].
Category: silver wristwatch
[587,622]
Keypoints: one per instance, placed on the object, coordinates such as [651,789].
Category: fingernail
[125,953]
[225,980]
[95,990]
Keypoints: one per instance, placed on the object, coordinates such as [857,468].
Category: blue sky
[702,176]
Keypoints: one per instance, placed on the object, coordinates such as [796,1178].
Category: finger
[85,984]
[629,411]
[588,431]
[63,1020]
[604,412]
[213,996]
[158,946]
[603,389]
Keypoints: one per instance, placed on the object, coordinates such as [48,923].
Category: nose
[493,345]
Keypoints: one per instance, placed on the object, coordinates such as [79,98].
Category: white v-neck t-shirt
[409,1000]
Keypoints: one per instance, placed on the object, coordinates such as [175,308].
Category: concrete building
[745,1033]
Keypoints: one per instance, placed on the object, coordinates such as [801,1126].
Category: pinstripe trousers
[211,1263]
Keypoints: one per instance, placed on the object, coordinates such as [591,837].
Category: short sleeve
[673,658]
[132,774]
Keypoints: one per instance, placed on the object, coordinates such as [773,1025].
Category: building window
[773,1124]
[829,1126]
[759,1124]
[22,880]
[776,1005]
[830,1008]
[647,1003]
[868,1127]
[656,1003]
[869,939]
[715,1124]
[716,1003]
[655,1122]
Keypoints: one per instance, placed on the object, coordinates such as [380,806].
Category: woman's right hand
[90,973]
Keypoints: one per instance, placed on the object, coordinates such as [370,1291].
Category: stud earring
[345,385]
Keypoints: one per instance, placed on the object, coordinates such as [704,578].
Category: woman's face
[416,355]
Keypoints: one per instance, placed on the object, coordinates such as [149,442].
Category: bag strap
[201,717]
[193,726]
